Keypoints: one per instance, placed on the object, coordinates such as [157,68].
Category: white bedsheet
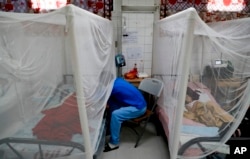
[200,130]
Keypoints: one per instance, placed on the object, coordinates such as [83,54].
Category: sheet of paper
[130,37]
[134,53]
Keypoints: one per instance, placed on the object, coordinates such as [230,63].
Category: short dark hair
[193,94]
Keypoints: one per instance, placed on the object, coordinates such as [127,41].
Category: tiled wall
[137,35]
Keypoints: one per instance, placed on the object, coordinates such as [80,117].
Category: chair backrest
[152,86]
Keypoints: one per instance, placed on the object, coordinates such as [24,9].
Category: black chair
[151,88]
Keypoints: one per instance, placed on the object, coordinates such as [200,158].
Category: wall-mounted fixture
[124,27]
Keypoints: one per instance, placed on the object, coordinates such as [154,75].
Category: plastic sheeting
[212,60]
[56,74]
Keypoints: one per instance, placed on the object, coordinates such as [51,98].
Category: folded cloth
[209,113]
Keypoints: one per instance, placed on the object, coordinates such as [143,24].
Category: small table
[136,82]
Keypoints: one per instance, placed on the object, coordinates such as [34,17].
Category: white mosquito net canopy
[56,75]
[206,70]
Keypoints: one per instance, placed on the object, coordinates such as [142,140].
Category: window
[226,5]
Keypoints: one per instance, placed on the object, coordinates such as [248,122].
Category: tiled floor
[151,146]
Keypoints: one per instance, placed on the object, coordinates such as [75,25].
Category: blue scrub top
[125,94]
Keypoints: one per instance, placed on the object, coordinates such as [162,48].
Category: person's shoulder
[120,79]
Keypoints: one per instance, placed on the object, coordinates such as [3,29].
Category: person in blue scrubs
[125,102]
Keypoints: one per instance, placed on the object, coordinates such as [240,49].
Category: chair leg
[140,135]
[138,139]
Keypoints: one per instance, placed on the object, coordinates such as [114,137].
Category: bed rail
[197,141]
[10,140]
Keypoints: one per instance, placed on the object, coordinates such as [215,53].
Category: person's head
[192,94]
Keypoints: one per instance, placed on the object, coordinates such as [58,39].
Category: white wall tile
[132,23]
[141,32]
[149,16]
[148,48]
[149,21]
[141,42]
[148,31]
[148,56]
[132,29]
[148,40]
[148,64]
[132,17]
[142,24]
[148,71]
[140,16]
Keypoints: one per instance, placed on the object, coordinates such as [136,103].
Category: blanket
[59,123]
[208,113]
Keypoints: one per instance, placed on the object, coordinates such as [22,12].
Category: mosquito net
[56,74]
[205,68]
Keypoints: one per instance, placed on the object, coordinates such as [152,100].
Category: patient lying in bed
[205,111]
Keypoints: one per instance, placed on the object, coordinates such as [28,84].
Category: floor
[151,146]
